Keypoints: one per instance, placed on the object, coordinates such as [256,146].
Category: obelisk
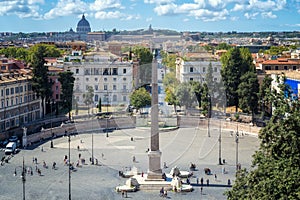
[154,154]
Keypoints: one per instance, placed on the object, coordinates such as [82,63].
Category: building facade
[196,70]
[19,104]
[112,81]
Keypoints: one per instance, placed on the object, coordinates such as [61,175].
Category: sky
[180,15]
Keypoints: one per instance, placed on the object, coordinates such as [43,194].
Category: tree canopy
[67,83]
[248,91]
[140,98]
[275,173]
[40,83]
[235,63]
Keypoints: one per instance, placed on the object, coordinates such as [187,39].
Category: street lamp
[106,129]
[69,165]
[23,176]
[209,115]
[237,147]
[220,138]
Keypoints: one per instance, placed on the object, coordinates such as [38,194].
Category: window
[124,79]
[56,96]
[114,97]
[7,103]
[105,87]
[114,87]
[86,72]
[2,93]
[17,100]
[285,67]
[17,90]
[21,89]
[124,98]
[87,79]
[294,67]
[124,87]
[96,79]
[124,71]
[191,69]
[191,79]
[105,72]
[2,103]
[105,79]
[115,71]
[56,88]
[11,102]
[96,87]
[7,92]
[96,71]
[204,69]
[96,98]
[25,88]
[115,79]
[276,67]
[77,71]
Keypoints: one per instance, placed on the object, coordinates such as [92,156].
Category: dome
[83,26]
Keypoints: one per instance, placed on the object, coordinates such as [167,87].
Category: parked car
[11,148]
[3,143]
[13,138]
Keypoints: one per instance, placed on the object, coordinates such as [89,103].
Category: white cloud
[67,7]
[100,5]
[158,2]
[115,15]
[186,20]
[208,15]
[187,7]
[251,15]
[268,15]
[22,9]
[167,9]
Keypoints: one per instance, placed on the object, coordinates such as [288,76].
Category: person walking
[201,181]
[201,190]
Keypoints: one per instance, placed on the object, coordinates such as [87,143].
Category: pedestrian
[35,159]
[201,189]
[215,177]
[165,165]
[53,165]
[207,182]
[197,180]
[79,156]
[142,174]
[133,158]
[42,149]
[201,181]
[123,193]
[96,161]
[78,147]
[188,181]
[228,182]
[102,155]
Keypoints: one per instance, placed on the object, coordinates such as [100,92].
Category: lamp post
[92,148]
[220,138]
[69,165]
[237,147]
[23,176]
[107,114]
[209,115]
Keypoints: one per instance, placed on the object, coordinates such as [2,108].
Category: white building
[196,70]
[112,81]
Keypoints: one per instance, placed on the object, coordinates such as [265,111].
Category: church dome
[83,26]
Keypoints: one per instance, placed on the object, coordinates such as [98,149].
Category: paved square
[179,148]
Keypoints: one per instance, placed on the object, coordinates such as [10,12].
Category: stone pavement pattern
[179,148]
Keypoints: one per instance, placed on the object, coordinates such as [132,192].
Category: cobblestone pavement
[179,148]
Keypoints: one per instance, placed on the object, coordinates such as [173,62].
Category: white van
[10,148]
